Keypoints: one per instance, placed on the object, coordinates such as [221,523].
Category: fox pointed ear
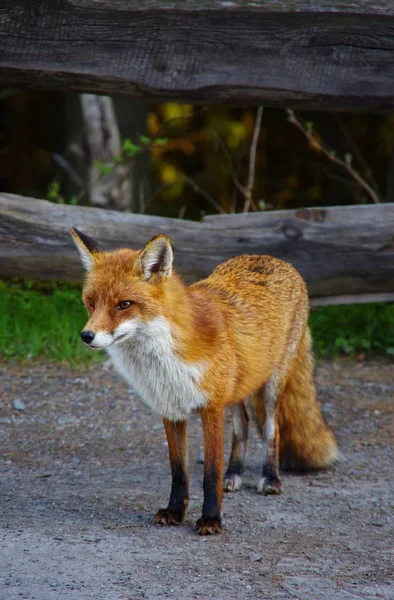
[86,248]
[157,257]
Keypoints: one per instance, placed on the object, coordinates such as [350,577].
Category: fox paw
[207,526]
[165,516]
[232,483]
[269,486]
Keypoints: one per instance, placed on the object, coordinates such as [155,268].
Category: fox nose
[87,336]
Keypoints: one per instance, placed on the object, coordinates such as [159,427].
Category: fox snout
[98,340]
[87,337]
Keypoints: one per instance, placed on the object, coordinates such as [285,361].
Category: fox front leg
[179,497]
[210,521]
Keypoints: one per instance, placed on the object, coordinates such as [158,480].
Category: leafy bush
[354,329]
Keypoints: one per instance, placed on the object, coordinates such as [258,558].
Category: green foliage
[309,127]
[44,319]
[53,192]
[356,329]
[103,168]
[145,140]
[130,149]
[160,141]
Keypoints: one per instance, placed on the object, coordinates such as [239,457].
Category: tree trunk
[103,144]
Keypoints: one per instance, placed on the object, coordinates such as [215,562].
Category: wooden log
[325,54]
[351,299]
[343,252]
[35,240]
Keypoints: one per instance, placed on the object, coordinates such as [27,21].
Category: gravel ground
[84,467]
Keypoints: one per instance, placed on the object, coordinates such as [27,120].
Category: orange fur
[246,324]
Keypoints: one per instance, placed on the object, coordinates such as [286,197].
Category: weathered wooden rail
[322,54]
[346,254]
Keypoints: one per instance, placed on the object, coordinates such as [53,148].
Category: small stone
[254,557]
[200,459]
[377,412]
[18,404]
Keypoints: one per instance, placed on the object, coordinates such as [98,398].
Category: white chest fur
[168,384]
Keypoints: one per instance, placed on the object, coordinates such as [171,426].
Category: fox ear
[157,257]
[86,248]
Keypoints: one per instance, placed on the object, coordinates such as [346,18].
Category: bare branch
[182,211]
[227,154]
[252,160]
[63,164]
[375,197]
[204,194]
[357,153]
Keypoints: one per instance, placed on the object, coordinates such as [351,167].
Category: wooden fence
[346,254]
[325,54]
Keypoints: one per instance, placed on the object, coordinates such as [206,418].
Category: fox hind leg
[233,476]
[265,413]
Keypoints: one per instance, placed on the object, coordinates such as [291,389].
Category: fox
[239,337]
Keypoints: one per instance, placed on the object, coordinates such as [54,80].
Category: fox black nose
[87,336]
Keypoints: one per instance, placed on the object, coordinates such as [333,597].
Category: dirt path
[84,467]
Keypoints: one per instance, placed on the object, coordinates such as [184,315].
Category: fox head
[123,289]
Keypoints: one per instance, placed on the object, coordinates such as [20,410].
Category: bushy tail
[306,441]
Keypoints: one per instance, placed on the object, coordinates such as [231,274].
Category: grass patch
[44,320]
[353,330]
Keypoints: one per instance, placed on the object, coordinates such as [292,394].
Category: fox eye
[123,305]
[90,303]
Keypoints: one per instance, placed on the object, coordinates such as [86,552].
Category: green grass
[44,320]
[353,330]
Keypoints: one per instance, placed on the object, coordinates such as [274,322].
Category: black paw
[165,516]
[208,526]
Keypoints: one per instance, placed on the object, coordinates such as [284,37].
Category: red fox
[240,334]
